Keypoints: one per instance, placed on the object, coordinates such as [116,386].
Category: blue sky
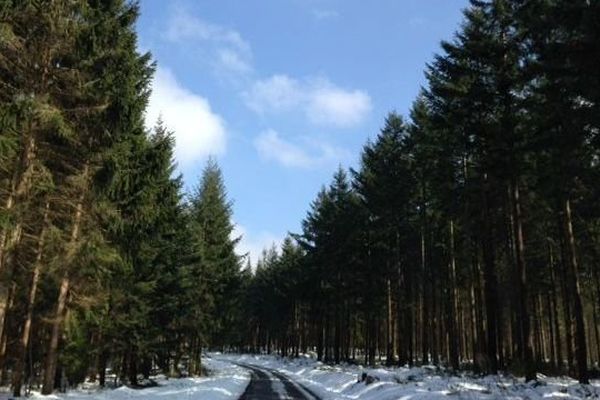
[281,92]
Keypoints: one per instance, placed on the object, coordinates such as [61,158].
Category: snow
[428,382]
[226,381]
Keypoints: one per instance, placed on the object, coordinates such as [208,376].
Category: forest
[468,236]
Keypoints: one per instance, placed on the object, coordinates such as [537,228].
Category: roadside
[354,382]
[251,377]
[225,382]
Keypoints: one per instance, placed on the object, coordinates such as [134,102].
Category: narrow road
[267,384]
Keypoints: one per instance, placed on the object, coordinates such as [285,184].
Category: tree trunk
[490,285]
[574,288]
[21,352]
[102,361]
[558,342]
[4,332]
[52,354]
[425,323]
[19,187]
[452,306]
[61,304]
[389,325]
[4,232]
[132,370]
[8,294]
[524,333]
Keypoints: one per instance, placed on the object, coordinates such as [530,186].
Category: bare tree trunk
[596,301]
[574,288]
[17,378]
[52,354]
[596,332]
[4,232]
[490,285]
[452,306]
[389,325]
[558,342]
[8,294]
[525,351]
[61,304]
[19,186]
[4,333]
[424,302]
[102,361]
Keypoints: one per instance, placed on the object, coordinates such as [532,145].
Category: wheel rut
[267,384]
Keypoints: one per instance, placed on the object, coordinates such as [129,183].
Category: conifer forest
[467,236]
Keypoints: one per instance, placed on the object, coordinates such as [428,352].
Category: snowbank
[341,382]
[226,381]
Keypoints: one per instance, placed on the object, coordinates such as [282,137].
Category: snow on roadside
[341,382]
[225,381]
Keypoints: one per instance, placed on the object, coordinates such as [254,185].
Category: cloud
[325,14]
[198,130]
[272,147]
[253,244]
[183,26]
[330,105]
[226,46]
[322,102]
[233,61]
[277,93]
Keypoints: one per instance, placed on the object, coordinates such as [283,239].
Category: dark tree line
[103,262]
[469,234]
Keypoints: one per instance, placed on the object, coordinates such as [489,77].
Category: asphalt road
[267,384]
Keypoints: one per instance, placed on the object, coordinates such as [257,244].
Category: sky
[283,92]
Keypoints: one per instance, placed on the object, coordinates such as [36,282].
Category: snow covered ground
[228,381]
[225,382]
[341,382]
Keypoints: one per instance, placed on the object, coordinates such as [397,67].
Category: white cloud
[322,102]
[183,26]
[233,61]
[272,147]
[330,105]
[277,93]
[253,244]
[198,130]
[226,46]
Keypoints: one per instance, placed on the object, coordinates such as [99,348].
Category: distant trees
[469,234]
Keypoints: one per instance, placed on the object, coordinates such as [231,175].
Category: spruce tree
[385,183]
[212,230]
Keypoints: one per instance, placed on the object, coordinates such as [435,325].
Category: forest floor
[249,377]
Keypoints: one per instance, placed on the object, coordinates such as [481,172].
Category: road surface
[267,384]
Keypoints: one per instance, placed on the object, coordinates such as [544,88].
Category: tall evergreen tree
[212,229]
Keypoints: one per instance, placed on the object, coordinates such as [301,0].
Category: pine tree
[212,229]
[385,186]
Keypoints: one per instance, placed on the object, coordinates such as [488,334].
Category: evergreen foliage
[468,235]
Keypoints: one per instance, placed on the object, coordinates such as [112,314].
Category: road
[267,384]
